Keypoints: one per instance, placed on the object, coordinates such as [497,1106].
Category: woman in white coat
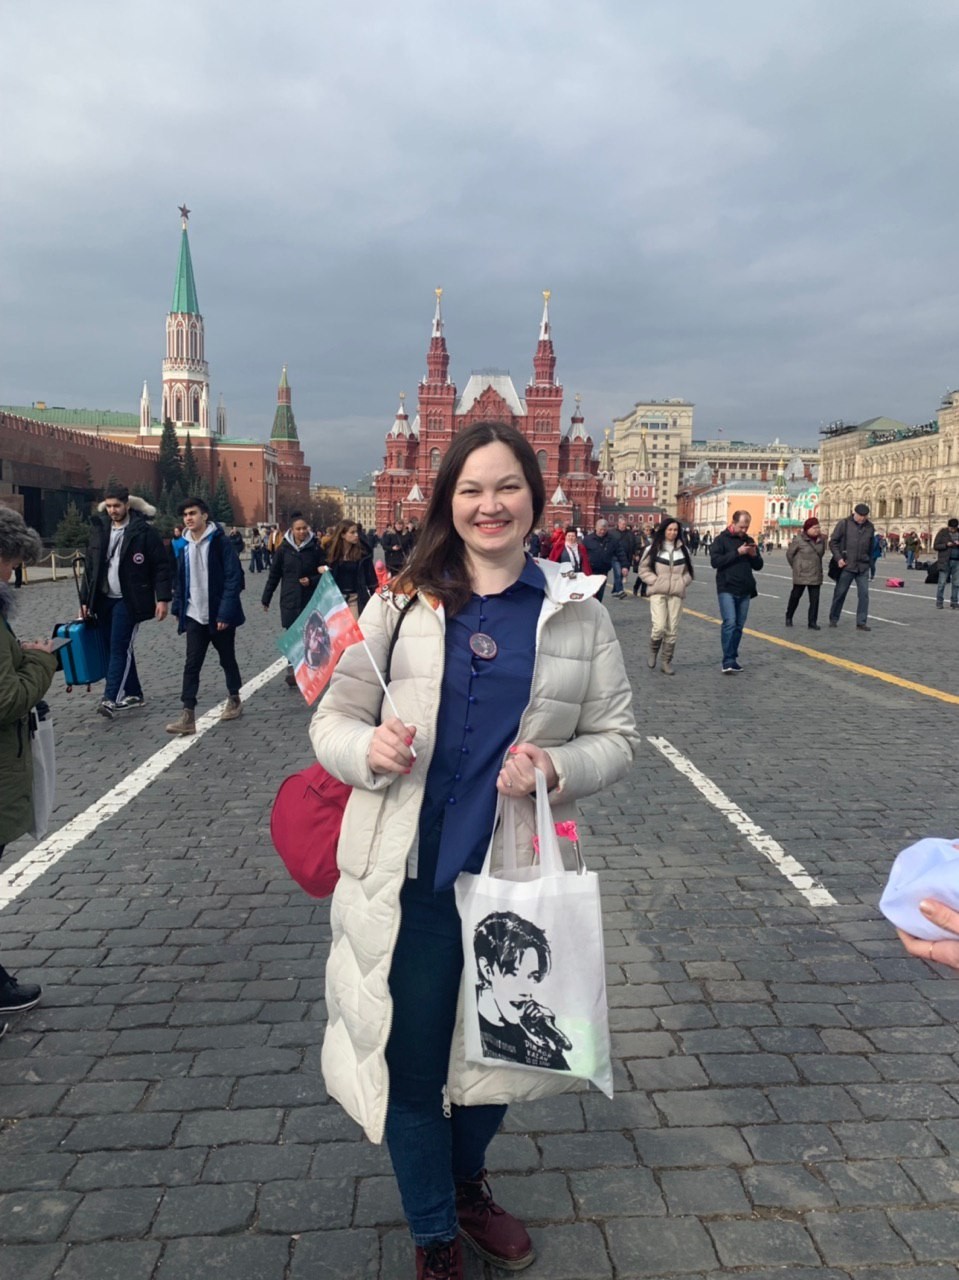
[667,570]
[503,666]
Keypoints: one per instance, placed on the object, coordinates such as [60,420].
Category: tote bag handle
[550,858]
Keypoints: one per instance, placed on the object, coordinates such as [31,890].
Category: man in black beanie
[127,579]
[851,548]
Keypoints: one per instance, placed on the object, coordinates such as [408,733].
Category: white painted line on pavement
[49,851]
[814,893]
[874,617]
[885,591]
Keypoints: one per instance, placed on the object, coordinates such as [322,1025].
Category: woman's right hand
[44,646]
[390,749]
[946,950]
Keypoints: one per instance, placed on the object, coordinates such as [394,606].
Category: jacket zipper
[381,1127]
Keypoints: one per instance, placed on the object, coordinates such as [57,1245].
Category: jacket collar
[563,587]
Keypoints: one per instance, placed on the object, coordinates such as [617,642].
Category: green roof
[184,290]
[59,417]
[284,424]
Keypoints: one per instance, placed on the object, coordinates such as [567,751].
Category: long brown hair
[340,549]
[438,562]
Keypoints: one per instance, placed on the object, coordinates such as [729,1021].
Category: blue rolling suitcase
[84,659]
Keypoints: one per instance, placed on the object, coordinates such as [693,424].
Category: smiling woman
[505,666]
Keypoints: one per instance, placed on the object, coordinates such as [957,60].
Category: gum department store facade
[909,475]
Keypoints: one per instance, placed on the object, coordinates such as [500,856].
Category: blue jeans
[950,575]
[733,610]
[431,1151]
[846,578]
[617,577]
[121,632]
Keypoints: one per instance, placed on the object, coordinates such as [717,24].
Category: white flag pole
[379,676]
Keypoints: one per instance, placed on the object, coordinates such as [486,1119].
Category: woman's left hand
[518,775]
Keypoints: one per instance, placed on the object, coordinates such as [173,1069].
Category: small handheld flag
[313,644]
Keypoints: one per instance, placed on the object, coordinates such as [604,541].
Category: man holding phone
[736,559]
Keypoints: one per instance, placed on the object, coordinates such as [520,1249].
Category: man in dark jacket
[735,557]
[851,545]
[397,545]
[126,581]
[627,545]
[604,553]
[206,601]
[946,547]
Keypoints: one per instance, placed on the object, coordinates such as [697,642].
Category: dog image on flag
[316,639]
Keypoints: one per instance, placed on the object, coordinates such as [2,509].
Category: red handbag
[308,813]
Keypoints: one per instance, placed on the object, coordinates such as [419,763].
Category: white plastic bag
[927,869]
[534,981]
[44,756]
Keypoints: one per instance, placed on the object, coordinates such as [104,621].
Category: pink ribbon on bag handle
[565,831]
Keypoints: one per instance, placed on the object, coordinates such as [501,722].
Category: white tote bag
[534,977]
[44,756]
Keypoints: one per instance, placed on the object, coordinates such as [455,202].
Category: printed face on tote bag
[512,960]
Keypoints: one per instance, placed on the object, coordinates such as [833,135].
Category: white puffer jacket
[580,710]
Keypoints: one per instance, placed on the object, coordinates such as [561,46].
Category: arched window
[179,341]
[193,342]
[434,459]
[542,459]
[196,408]
[178,408]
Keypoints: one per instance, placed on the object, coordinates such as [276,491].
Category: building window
[542,459]
[434,459]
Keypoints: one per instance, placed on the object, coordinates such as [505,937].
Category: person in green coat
[26,670]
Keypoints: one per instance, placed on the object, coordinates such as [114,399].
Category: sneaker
[15,997]
[861,626]
[107,709]
[789,622]
[729,670]
[620,595]
[940,605]
[440,1261]
[833,624]
[735,666]
[489,1230]
[814,626]
[132,700]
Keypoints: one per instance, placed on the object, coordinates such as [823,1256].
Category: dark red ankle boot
[489,1230]
[440,1261]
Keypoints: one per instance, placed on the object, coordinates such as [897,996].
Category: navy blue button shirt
[481,704]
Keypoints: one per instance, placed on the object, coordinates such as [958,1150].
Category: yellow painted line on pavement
[926,690]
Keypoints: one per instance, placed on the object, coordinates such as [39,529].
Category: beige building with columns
[909,475]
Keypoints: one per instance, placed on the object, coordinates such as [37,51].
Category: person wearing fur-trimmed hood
[127,580]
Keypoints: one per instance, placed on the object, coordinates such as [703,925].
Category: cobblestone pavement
[788,1079]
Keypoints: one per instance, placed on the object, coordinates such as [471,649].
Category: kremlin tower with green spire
[186,375]
[293,480]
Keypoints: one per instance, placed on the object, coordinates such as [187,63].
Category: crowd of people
[507,667]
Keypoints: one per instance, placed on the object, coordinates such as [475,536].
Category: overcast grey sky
[750,205]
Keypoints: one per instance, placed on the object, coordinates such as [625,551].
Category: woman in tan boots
[667,569]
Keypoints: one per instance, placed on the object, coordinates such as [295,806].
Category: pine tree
[222,507]
[191,472]
[73,531]
[171,467]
